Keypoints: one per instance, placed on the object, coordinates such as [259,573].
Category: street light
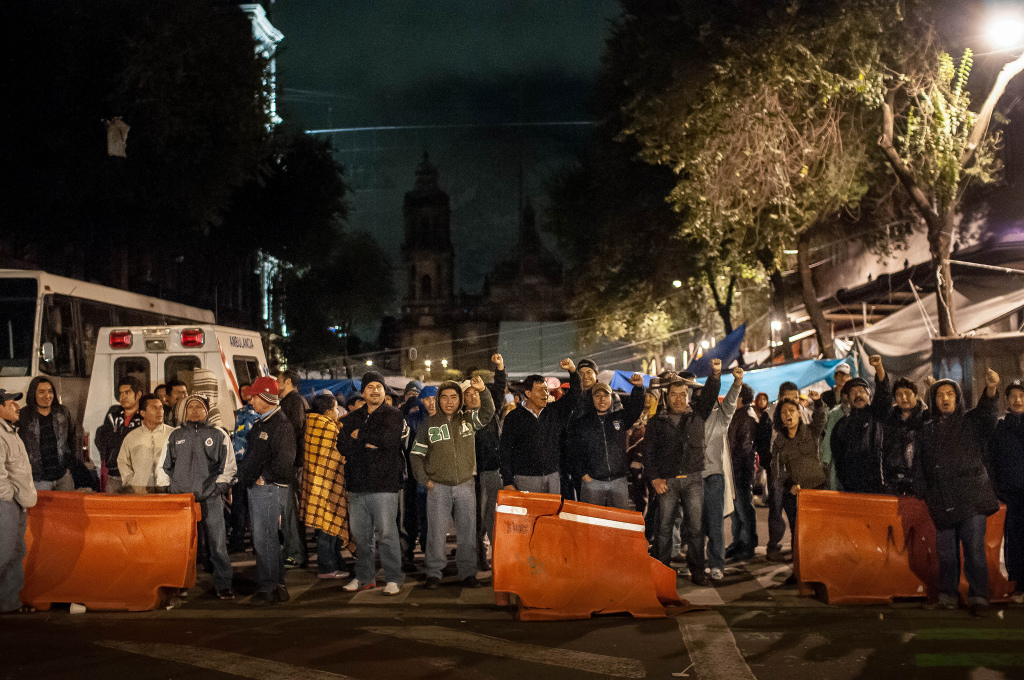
[705,344]
[776,325]
[677,284]
[1006,31]
[369,362]
[426,362]
[444,363]
[671,360]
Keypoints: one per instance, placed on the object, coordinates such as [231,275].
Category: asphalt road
[752,626]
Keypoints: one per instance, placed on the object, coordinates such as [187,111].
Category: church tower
[428,260]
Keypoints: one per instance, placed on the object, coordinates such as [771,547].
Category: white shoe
[352,586]
[392,588]
[717,575]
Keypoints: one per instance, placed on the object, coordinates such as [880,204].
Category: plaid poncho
[324,503]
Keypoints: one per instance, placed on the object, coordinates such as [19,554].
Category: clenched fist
[737,374]
[477,383]
[498,361]
[567,365]
[637,380]
[716,367]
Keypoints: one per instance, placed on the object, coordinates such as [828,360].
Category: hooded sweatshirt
[597,441]
[1007,457]
[62,423]
[445,447]
[197,459]
[949,460]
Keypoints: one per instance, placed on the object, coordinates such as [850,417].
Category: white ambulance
[156,355]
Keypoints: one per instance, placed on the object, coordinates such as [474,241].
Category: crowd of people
[375,474]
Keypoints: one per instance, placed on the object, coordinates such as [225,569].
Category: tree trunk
[822,327]
[724,307]
[779,305]
[939,246]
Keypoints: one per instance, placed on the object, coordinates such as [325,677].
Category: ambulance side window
[180,368]
[138,367]
[247,369]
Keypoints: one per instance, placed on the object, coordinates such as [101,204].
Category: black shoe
[731,551]
[408,567]
[262,599]
[290,563]
[978,611]
[775,556]
[433,583]
[225,594]
[471,582]
[281,594]
[791,581]
[699,578]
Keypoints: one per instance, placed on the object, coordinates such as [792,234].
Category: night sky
[483,64]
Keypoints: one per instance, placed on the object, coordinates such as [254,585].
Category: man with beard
[857,439]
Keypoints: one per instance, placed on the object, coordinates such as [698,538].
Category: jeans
[686,493]
[744,520]
[65,483]
[328,556]
[239,514]
[444,503]
[217,540]
[266,506]
[776,524]
[488,483]
[971,534]
[1014,542]
[293,530]
[12,550]
[539,484]
[375,516]
[713,521]
[612,494]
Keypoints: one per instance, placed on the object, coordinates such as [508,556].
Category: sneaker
[281,593]
[262,599]
[471,582]
[1017,598]
[433,583]
[790,580]
[742,556]
[717,575]
[392,588]
[354,585]
[775,556]
[290,563]
[225,594]
[979,610]
[699,578]
[333,574]
[678,558]
[183,593]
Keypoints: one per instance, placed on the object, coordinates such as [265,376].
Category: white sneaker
[392,588]
[717,575]
[352,586]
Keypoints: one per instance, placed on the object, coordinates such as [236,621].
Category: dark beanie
[1015,385]
[587,363]
[854,382]
[370,377]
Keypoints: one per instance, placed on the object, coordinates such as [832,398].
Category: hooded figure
[444,461]
[950,474]
[198,459]
[51,440]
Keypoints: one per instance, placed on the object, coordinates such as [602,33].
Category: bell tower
[427,252]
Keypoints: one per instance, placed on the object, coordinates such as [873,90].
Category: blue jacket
[244,420]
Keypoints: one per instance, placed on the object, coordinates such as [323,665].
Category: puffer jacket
[898,448]
[1007,458]
[197,459]
[597,441]
[949,461]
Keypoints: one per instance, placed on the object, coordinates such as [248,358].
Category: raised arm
[480,417]
[633,404]
[705,403]
[882,401]
[733,395]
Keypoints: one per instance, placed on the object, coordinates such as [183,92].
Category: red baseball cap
[266,389]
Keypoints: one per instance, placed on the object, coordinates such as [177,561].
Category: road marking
[969,660]
[485,644]
[225,662]
[969,634]
[702,596]
[712,647]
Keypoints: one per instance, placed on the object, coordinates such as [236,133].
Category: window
[247,369]
[180,368]
[94,316]
[138,317]
[17,326]
[58,329]
[138,367]
[425,285]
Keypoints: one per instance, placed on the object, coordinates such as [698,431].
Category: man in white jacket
[718,483]
[17,495]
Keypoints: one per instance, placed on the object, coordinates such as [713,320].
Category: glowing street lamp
[1006,31]
[705,344]
[677,284]
[369,362]
[671,360]
[444,363]
[776,325]
[426,362]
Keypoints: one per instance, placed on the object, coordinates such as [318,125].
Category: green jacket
[445,448]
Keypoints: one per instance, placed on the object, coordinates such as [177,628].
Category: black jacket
[676,450]
[531,445]
[295,408]
[949,463]
[763,440]
[898,446]
[488,440]
[63,427]
[742,446]
[110,435]
[857,443]
[597,441]
[270,451]
[1007,458]
[374,460]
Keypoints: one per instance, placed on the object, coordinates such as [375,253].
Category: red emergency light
[120,339]
[193,337]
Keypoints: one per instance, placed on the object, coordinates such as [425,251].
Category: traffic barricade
[569,560]
[109,552]
[870,549]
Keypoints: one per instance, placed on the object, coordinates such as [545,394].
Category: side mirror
[47,352]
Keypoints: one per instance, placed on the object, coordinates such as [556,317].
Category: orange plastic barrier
[869,549]
[571,560]
[109,552]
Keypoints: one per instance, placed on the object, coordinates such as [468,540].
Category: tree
[943,146]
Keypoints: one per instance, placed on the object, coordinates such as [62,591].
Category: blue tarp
[766,380]
[728,350]
[310,387]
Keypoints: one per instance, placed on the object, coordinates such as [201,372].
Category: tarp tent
[727,350]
